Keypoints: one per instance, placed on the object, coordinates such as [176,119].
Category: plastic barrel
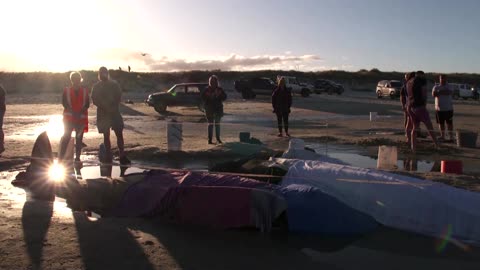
[466,139]
[452,166]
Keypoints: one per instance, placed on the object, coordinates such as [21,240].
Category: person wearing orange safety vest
[76,101]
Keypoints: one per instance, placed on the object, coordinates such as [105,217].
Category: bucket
[244,136]
[451,166]
[373,116]
[174,136]
[387,157]
[466,138]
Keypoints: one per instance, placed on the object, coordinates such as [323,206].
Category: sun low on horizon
[56,35]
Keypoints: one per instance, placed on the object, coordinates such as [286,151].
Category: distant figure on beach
[444,107]
[107,95]
[3,108]
[129,69]
[213,98]
[281,103]
[75,101]
[417,102]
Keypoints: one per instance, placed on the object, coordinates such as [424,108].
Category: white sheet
[397,201]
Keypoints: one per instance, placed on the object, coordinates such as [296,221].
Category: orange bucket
[452,166]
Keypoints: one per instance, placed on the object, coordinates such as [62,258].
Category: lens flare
[57,172]
[447,238]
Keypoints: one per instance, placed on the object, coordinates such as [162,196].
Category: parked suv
[184,94]
[465,91]
[389,88]
[327,86]
[296,87]
[250,88]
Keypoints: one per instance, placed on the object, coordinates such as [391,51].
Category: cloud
[123,57]
[233,62]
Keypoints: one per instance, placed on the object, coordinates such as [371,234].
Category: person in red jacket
[76,101]
[281,103]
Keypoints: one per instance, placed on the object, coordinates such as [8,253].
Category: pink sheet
[217,207]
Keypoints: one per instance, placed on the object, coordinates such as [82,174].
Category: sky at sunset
[307,35]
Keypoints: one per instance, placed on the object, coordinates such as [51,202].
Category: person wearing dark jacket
[213,98]
[281,103]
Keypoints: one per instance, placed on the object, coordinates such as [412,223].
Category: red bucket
[452,166]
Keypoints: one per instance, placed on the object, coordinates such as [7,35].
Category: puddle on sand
[353,156]
[18,198]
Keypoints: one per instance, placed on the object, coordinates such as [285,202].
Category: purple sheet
[217,207]
[145,197]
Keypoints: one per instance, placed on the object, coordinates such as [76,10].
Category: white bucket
[387,157]
[373,116]
[174,136]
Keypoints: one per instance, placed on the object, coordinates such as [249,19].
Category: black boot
[217,133]
[210,133]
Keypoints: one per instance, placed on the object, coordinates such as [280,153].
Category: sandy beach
[36,234]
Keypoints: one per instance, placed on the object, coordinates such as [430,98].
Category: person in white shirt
[444,107]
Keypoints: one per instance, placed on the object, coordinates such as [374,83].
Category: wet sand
[36,233]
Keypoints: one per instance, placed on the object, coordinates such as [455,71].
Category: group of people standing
[214,96]
[413,97]
[106,95]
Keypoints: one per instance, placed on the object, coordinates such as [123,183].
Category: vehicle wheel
[475,96]
[379,94]
[330,91]
[160,108]
[339,92]
[305,92]
[247,94]
[455,96]
[465,98]
[392,96]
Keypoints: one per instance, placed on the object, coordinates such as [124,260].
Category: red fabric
[77,103]
[218,207]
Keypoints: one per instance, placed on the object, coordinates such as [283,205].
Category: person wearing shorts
[106,95]
[444,107]
[417,102]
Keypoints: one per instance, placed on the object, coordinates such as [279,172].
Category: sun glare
[57,172]
[54,127]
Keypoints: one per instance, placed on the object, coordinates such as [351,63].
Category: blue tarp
[309,210]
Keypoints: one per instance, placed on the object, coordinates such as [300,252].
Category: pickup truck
[250,88]
[296,87]
[465,91]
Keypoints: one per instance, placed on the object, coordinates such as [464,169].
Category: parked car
[184,94]
[389,88]
[296,87]
[250,88]
[327,86]
[465,91]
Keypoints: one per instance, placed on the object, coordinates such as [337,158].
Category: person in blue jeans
[213,98]
[281,103]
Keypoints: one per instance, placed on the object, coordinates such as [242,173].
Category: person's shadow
[36,217]
[107,243]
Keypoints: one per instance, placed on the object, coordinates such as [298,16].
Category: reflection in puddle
[29,127]
[115,171]
[352,157]
[18,197]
